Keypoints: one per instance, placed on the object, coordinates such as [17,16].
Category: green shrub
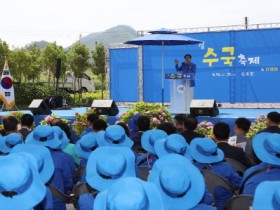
[87,98]
[26,92]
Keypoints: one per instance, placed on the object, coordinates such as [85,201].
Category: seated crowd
[133,167]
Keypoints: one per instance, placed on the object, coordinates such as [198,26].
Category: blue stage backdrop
[233,66]
[124,74]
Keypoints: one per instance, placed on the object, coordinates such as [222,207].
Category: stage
[227,115]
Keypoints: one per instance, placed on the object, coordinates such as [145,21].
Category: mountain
[117,34]
[41,44]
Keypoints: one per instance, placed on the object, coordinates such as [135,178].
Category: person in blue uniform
[180,183]
[64,166]
[267,148]
[45,168]
[208,156]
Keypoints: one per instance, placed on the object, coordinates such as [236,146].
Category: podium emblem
[180,88]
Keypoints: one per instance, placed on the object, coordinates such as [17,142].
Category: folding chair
[240,202]
[213,180]
[239,167]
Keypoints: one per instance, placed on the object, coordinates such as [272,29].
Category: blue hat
[61,135]
[174,143]
[115,136]
[149,138]
[267,147]
[129,193]
[205,150]
[86,145]
[42,156]
[106,165]
[9,141]
[20,183]
[267,196]
[43,135]
[180,183]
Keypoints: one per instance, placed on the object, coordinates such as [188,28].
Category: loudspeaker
[204,108]
[105,107]
[55,102]
[58,67]
[39,107]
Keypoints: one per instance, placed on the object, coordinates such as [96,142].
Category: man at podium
[187,67]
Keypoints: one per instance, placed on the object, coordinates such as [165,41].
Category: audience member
[189,133]
[267,196]
[132,124]
[272,123]
[172,144]
[180,183]
[208,156]
[27,123]
[148,141]
[45,168]
[99,125]
[114,136]
[168,127]
[267,147]
[64,166]
[125,127]
[20,183]
[143,124]
[221,133]
[10,124]
[8,142]
[142,195]
[105,166]
[178,122]
[90,120]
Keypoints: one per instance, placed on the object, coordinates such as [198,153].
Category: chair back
[240,202]
[213,180]
[239,167]
[143,172]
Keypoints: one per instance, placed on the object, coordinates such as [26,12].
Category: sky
[64,21]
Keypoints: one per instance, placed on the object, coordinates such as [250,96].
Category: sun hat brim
[263,197]
[193,195]
[201,158]
[33,195]
[93,177]
[101,141]
[90,138]
[145,139]
[151,191]
[260,150]
[38,152]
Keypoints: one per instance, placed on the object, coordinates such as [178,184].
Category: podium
[180,92]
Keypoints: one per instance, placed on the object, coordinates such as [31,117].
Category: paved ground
[70,207]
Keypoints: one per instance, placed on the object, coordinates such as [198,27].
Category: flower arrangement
[157,113]
[80,123]
[256,126]
[49,118]
[205,128]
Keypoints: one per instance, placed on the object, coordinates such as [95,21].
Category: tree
[99,64]
[20,64]
[36,65]
[78,58]
[4,51]
[49,58]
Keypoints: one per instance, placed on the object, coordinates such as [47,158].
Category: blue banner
[124,75]
[232,66]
